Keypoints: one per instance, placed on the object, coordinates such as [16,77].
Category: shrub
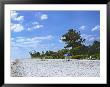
[48,57]
[84,57]
[35,57]
[95,56]
[77,57]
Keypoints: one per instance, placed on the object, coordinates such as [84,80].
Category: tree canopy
[72,38]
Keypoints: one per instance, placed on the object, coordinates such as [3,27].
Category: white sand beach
[55,68]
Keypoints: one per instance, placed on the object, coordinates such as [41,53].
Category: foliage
[34,54]
[78,50]
[72,38]
[77,57]
[95,56]
[48,57]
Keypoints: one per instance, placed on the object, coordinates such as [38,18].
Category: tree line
[74,46]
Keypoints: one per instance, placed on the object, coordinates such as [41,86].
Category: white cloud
[87,37]
[24,43]
[44,16]
[33,27]
[30,42]
[15,16]
[49,37]
[38,26]
[20,18]
[97,27]
[17,27]
[90,38]
[41,16]
[20,40]
[82,28]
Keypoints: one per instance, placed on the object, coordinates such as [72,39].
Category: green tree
[94,48]
[37,54]
[34,54]
[47,53]
[72,38]
[42,54]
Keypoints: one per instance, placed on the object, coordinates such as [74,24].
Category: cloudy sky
[42,30]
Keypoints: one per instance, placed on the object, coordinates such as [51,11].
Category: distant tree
[47,53]
[42,53]
[37,54]
[94,48]
[34,54]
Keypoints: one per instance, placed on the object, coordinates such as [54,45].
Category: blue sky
[42,30]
